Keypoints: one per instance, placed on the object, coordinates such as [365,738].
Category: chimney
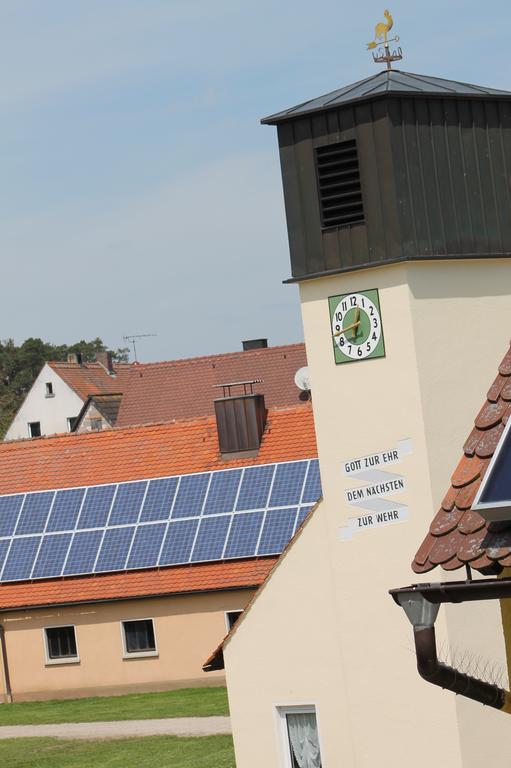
[254,344]
[240,419]
[74,357]
[105,360]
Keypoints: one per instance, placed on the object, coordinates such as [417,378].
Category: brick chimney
[105,360]
[240,419]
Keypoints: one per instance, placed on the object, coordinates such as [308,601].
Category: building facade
[401,248]
[126,554]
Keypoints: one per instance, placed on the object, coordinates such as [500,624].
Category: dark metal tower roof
[388,83]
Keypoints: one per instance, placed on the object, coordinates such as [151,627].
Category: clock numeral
[375,322]
[338,317]
[349,349]
[374,336]
[368,346]
[359,352]
[353,301]
[344,306]
[341,342]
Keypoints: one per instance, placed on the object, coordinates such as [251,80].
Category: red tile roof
[91,378]
[156,450]
[133,453]
[458,535]
[202,577]
[185,389]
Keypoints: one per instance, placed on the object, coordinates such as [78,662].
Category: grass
[147,752]
[186,702]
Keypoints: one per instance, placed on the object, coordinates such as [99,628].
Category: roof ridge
[200,358]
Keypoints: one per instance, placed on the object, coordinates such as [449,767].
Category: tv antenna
[133,340]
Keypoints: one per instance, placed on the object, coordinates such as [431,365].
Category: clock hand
[348,328]
[356,324]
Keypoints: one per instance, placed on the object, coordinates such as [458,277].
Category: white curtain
[303,735]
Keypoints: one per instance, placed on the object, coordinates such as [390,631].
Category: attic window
[340,191]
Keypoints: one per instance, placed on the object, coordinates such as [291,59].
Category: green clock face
[356,324]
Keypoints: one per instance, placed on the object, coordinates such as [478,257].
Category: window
[300,738]
[231,617]
[340,191]
[96,424]
[138,638]
[49,389]
[71,421]
[34,428]
[60,644]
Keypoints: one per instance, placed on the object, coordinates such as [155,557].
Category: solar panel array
[233,513]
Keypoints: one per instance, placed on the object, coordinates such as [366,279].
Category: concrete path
[119,729]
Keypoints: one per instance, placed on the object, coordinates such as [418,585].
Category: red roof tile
[458,535]
[134,453]
[185,389]
[91,378]
[236,574]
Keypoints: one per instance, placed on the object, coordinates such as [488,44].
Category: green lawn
[149,752]
[186,702]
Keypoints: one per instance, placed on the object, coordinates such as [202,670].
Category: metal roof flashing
[394,83]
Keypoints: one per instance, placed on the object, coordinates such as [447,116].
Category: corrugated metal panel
[435,178]
[240,422]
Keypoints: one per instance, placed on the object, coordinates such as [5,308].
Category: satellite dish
[302,379]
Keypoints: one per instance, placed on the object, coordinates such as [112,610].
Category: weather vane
[381,41]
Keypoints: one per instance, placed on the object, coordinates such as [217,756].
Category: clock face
[356,326]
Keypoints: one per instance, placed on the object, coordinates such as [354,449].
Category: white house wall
[51,412]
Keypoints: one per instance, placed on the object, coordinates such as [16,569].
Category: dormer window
[49,389]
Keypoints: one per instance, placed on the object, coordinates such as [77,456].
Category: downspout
[421,604]
[5,662]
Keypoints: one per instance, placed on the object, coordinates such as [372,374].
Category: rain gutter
[421,603]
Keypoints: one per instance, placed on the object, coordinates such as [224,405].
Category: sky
[139,192]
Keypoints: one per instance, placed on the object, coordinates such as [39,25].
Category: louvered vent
[340,193]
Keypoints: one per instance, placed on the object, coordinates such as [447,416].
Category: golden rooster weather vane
[381,37]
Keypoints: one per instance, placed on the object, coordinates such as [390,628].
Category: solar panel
[146,545]
[222,492]
[190,496]
[164,521]
[34,512]
[65,510]
[244,534]
[9,510]
[288,484]
[19,561]
[52,555]
[159,498]
[255,487]
[178,542]
[96,506]
[312,489]
[211,538]
[302,514]
[278,529]
[4,548]
[127,503]
[83,552]
[114,549]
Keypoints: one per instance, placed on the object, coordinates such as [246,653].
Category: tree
[19,367]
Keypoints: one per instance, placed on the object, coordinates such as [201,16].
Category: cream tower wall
[323,630]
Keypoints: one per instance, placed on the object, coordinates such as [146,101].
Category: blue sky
[133,163]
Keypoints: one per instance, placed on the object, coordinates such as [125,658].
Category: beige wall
[187,628]
[91,414]
[339,641]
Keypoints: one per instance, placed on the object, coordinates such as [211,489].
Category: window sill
[141,655]
[52,395]
[59,662]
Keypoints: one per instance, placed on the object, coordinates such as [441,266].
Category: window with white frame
[138,637]
[49,389]
[60,644]
[300,738]
[34,428]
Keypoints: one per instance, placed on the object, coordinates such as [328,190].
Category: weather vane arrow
[381,41]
